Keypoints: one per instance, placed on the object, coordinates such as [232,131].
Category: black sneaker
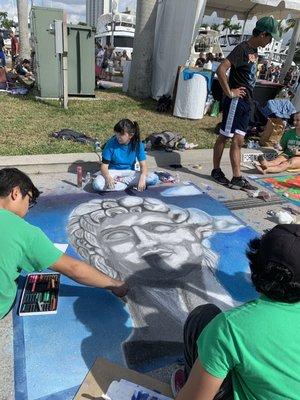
[218,176]
[240,183]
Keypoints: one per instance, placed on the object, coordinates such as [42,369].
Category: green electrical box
[81,60]
[81,55]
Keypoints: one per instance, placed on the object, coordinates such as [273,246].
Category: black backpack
[69,134]
[166,140]
[164,104]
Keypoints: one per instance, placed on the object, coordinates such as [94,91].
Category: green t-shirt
[22,246]
[259,342]
[290,140]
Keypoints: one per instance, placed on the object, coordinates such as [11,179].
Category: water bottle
[79,176]
[97,146]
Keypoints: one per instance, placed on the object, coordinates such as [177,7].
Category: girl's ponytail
[136,137]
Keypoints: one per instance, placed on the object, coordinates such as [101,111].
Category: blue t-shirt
[121,156]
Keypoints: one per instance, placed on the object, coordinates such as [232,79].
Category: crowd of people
[108,60]
[271,72]
[205,58]
[17,71]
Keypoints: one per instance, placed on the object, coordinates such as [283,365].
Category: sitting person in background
[24,75]
[290,158]
[23,69]
[201,60]
[251,352]
[117,171]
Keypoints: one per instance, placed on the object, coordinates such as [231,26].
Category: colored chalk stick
[53,303]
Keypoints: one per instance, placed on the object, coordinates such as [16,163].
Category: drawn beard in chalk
[145,239]
[162,251]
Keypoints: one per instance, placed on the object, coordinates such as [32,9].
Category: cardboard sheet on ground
[99,379]
[286,186]
[177,248]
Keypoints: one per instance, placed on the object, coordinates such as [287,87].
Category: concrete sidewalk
[53,173]
[55,163]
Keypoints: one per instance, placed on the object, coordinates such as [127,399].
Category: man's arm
[17,46]
[221,72]
[200,385]
[84,273]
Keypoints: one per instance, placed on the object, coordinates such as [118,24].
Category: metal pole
[65,61]
[291,51]
[112,23]
[243,30]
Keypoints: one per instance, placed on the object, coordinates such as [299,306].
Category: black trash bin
[266,90]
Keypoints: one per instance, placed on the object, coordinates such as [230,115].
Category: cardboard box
[104,372]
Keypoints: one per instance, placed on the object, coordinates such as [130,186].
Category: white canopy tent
[176,28]
[245,9]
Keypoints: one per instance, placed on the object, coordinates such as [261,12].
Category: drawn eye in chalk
[119,235]
[163,228]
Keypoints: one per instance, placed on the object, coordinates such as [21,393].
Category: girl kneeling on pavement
[290,158]
[119,156]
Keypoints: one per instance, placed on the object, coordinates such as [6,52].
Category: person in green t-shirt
[290,158]
[25,247]
[251,352]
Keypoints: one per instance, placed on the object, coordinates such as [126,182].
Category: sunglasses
[32,201]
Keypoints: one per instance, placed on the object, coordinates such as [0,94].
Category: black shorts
[236,117]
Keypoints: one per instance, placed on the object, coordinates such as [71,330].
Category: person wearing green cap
[238,90]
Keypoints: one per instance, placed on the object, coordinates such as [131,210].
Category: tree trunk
[291,51]
[141,65]
[24,50]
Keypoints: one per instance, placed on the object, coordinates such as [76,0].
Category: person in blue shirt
[119,157]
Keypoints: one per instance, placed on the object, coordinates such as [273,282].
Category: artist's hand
[109,182]
[120,289]
[142,183]
[239,92]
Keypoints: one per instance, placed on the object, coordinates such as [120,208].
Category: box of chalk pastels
[40,294]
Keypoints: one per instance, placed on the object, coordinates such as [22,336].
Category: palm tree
[227,26]
[285,25]
[215,27]
[235,28]
[22,6]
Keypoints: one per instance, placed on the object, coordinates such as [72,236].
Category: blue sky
[74,8]
[76,11]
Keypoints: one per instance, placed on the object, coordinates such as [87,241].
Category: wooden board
[104,372]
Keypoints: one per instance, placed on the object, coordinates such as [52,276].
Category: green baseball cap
[269,25]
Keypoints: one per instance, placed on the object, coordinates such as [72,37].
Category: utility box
[46,63]
[47,68]
[81,60]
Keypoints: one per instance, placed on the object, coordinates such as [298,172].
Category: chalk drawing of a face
[131,234]
[163,251]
